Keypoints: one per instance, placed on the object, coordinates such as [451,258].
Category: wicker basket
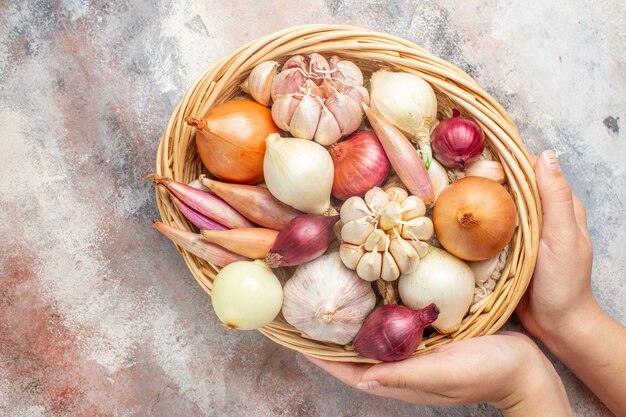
[177,157]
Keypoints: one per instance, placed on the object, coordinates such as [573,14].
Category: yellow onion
[231,140]
[474,218]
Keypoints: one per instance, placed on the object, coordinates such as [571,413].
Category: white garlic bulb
[327,301]
[384,233]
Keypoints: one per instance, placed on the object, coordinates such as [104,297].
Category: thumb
[556,196]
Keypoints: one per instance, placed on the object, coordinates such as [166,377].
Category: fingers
[581,215]
[556,197]
[347,372]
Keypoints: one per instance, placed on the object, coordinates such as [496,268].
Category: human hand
[506,369]
[559,294]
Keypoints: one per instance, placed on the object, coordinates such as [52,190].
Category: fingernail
[367,385]
[551,160]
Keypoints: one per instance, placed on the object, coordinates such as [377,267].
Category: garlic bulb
[313,98]
[299,173]
[443,279]
[383,233]
[327,301]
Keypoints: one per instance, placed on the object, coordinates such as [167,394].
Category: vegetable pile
[381,227]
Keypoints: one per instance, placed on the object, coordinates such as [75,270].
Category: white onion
[299,173]
[405,99]
[246,295]
[443,279]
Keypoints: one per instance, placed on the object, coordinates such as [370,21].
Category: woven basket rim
[177,158]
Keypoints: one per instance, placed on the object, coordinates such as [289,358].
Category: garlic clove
[354,208]
[318,67]
[296,61]
[370,266]
[438,177]
[389,271]
[259,82]
[376,199]
[420,247]
[357,231]
[305,118]
[377,241]
[357,93]
[397,193]
[283,109]
[328,131]
[488,169]
[346,72]
[390,216]
[413,207]
[420,228]
[287,81]
[405,256]
[483,270]
[346,111]
[351,254]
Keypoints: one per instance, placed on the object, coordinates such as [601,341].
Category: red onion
[360,165]
[303,239]
[457,142]
[199,220]
[393,332]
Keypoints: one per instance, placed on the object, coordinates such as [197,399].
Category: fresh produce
[299,173]
[246,295]
[313,98]
[259,83]
[360,164]
[474,218]
[270,204]
[457,142]
[443,279]
[231,140]
[253,243]
[438,177]
[204,203]
[483,270]
[327,301]
[393,332]
[488,169]
[194,243]
[255,202]
[403,157]
[200,221]
[383,233]
[305,238]
[409,103]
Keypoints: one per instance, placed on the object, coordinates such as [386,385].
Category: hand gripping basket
[177,158]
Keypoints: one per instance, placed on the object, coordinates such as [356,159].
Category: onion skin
[204,203]
[474,218]
[194,243]
[360,165]
[200,221]
[393,332]
[305,238]
[403,157]
[254,202]
[231,140]
[253,242]
[457,142]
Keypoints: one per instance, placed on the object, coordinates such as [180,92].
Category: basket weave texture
[177,158]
